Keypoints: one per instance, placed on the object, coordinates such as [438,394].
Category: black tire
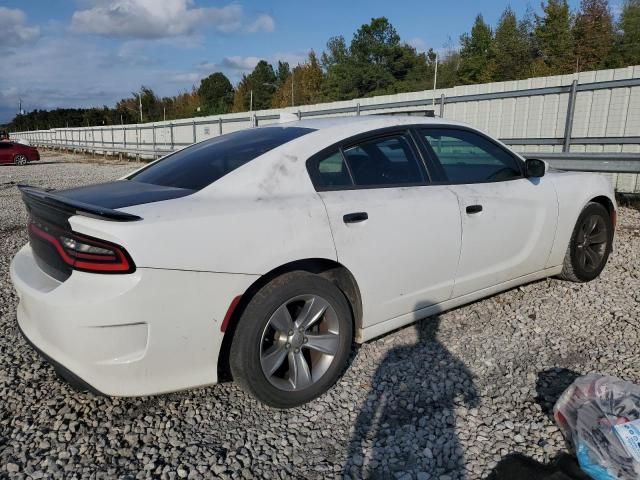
[578,266]
[248,346]
[20,160]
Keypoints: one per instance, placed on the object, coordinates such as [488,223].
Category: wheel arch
[607,203]
[333,271]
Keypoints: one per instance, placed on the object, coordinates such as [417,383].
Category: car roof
[366,121]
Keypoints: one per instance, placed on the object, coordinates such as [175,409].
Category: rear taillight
[85,253]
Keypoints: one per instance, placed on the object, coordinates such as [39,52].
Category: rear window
[200,165]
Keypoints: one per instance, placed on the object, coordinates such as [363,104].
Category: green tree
[282,72]
[554,39]
[261,84]
[593,34]
[512,48]
[340,83]
[376,62]
[476,53]
[627,50]
[216,94]
[380,59]
[305,81]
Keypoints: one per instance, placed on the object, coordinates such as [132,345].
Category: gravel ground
[446,398]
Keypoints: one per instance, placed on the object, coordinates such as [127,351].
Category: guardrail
[590,161]
[184,132]
[570,161]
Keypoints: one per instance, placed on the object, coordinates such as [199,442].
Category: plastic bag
[599,416]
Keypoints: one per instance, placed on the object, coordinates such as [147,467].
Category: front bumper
[149,332]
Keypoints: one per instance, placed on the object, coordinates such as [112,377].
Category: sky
[83,53]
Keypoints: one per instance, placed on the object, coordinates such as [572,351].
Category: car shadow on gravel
[407,422]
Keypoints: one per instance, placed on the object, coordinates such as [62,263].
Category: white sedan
[264,254]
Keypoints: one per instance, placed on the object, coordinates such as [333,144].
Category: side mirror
[535,168]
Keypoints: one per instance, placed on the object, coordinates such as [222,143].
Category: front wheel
[20,160]
[590,244]
[292,341]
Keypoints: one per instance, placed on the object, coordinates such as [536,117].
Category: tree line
[376,62]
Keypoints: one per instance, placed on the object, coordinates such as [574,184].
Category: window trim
[437,166]
[339,147]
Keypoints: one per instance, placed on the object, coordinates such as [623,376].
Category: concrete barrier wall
[530,115]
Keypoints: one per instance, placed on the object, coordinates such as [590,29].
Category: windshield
[201,164]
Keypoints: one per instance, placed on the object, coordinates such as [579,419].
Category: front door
[6,150]
[508,221]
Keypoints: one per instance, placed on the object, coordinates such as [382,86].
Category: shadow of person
[407,423]
[550,384]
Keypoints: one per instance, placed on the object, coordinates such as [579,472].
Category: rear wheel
[20,159]
[292,341]
[590,244]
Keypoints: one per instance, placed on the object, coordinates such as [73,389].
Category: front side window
[467,157]
[200,165]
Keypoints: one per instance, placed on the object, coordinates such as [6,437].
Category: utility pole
[164,114]
[140,99]
[292,78]
[251,102]
[435,82]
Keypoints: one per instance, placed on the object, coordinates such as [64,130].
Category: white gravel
[444,399]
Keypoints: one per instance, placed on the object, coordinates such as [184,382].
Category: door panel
[508,221]
[512,235]
[6,150]
[404,255]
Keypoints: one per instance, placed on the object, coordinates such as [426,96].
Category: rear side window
[380,162]
[467,157]
[383,161]
[201,164]
[332,171]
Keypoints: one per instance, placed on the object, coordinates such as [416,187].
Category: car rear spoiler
[38,196]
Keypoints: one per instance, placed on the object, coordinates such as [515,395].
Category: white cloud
[247,64]
[264,23]
[243,64]
[419,44]
[157,19]
[191,77]
[103,77]
[14,32]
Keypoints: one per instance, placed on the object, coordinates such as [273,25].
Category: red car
[17,153]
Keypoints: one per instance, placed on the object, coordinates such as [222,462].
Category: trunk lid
[49,212]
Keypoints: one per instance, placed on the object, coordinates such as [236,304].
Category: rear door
[508,221]
[6,152]
[397,234]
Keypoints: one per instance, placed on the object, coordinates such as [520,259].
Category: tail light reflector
[85,253]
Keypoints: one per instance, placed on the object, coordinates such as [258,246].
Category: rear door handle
[471,209]
[355,217]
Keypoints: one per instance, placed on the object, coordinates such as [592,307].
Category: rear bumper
[62,371]
[149,332]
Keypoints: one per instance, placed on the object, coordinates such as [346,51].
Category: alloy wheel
[591,243]
[299,342]
[20,160]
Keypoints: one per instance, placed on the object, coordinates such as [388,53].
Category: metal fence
[586,122]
